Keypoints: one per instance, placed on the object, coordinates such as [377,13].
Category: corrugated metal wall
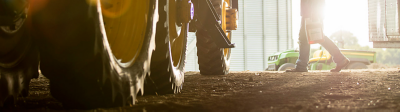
[191,54]
[271,39]
[265,27]
[376,18]
[253,30]
[392,19]
[383,21]
[238,37]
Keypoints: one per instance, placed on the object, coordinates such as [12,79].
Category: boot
[340,65]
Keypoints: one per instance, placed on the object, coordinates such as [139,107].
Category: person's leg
[304,49]
[337,56]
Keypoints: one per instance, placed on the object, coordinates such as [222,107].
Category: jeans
[304,50]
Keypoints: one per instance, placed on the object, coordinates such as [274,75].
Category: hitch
[207,19]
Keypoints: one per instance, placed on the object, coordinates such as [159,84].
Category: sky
[350,15]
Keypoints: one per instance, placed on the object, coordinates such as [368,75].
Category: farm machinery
[321,60]
[103,53]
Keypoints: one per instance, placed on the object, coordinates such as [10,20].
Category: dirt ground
[349,90]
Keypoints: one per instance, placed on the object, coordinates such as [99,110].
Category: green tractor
[282,60]
[321,60]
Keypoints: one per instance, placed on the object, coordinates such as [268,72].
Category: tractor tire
[286,66]
[357,65]
[86,51]
[212,60]
[168,60]
[18,62]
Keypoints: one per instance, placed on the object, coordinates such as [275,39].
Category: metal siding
[253,32]
[376,20]
[191,62]
[237,54]
[191,37]
[392,21]
[270,28]
[191,54]
[283,23]
[290,30]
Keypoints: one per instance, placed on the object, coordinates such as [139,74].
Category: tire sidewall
[15,46]
[285,66]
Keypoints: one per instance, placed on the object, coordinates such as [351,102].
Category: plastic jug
[314,30]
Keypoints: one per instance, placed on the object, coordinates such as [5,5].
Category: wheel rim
[177,34]
[125,22]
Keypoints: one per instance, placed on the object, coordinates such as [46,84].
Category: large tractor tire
[168,61]
[96,53]
[18,60]
[213,60]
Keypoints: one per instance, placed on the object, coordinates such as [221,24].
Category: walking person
[312,9]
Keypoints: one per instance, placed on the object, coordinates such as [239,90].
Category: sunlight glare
[350,15]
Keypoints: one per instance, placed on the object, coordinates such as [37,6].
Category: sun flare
[349,15]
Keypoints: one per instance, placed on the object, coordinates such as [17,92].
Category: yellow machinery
[214,53]
[102,53]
